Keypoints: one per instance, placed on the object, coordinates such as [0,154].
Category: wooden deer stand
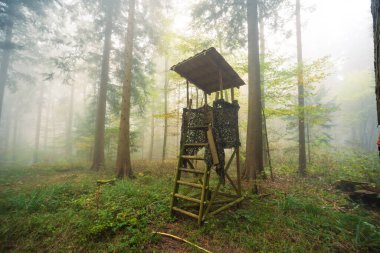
[211,130]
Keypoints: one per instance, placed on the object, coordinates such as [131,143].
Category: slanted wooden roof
[203,71]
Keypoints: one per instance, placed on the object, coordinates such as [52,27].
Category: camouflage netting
[224,119]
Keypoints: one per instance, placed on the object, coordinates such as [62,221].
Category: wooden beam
[205,94]
[226,206]
[211,202]
[232,94]
[187,94]
[232,182]
[197,99]
[238,170]
[221,84]
[213,150]
[230,161]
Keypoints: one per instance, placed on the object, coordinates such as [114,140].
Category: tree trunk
[69,127]
[15,133]
[5,62]
[151,134]
[47,119]
[38,126]
[301,96]
[262,68]
[165,109]
[254,148]
[123,161]
[375,9]
[7,131]
[98,156]
[142,142]
[308,142]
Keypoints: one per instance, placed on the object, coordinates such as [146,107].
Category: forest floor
[59,208]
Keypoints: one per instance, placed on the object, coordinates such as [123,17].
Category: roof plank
[203,69]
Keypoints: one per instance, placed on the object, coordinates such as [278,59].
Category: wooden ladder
[203,175]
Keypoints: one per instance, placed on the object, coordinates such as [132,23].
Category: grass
[59,208]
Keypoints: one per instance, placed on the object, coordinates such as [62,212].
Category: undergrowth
[59,208]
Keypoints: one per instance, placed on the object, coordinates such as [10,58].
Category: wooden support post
[227,206]
[197,99]
[205,94]
[232,94]
[187,94]
[221,84]
[206,177]
[212,145]
[238,176]
[213,196]
[232,183]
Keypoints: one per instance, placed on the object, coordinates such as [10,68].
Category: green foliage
[227,19]
[60,207]
[88,217]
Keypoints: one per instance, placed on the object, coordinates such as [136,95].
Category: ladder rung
[196,144]
[192,157]
[192,171]
[190,184]
[185,212]
[177,195]
[198,128]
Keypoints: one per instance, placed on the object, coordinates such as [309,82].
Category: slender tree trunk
[254,148]
[38,126]
[142,143]
[165,109]
[46,127]
[123,161]
[15,133]
[53,148]
[151,144]
[98,156]
[262,78]
[301,95]
[308,142]
[375,9]
[5,62]
[69,127]
[7,131]
[220,46]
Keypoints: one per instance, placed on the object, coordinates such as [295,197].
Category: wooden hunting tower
[200,188]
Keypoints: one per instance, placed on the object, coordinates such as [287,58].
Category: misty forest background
[68,67]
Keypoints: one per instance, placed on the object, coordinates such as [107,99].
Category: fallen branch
[183,240]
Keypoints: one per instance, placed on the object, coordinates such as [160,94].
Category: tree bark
[38,126]
[254,148]
[123,161]
[98,155]
[262,78]
[69,127]
[308,142]
[5,62]
[47,119]
[151,134]
[165,109]
[15,133]
[301,96]
[375,9]
[7,131]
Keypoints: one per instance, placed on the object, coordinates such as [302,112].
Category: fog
[56,60]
